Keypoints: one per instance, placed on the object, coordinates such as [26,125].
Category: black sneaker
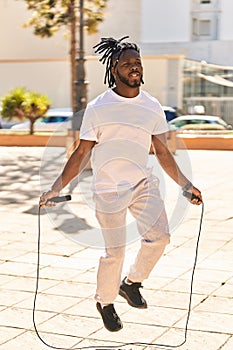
[132,294]
[110,318]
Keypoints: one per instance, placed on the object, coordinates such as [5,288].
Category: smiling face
[128,70]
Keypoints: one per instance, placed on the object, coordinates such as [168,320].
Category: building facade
[167,31]
[198,29]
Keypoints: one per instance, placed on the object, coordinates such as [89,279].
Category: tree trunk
[81,83]
[32,122]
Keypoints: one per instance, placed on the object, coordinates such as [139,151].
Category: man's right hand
[198,197]
[44,199]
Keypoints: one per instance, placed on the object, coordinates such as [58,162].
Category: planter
[205,142]
[222,141]
[49,140]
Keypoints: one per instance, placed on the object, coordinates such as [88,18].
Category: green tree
[49,16]
[22,104]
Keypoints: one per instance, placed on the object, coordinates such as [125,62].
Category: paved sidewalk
[66,316]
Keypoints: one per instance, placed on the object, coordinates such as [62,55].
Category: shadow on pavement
[21,178]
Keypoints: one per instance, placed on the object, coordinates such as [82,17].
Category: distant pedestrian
[119,127]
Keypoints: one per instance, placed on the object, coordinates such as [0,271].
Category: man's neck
[128,92]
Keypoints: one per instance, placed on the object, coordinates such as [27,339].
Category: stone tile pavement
[65,311]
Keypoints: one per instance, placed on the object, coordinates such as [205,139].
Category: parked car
[7,124]
[199,122]
[56,119]
[169,112]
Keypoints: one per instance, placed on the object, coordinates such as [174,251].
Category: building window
[204,27]
[201,29]
[195,26]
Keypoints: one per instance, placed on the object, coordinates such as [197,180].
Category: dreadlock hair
[112,49]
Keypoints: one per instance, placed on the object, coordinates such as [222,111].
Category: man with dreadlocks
[119,127]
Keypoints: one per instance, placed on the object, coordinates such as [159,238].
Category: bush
[22,104]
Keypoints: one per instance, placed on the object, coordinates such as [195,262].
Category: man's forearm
[170,166]
[73,167]
[167,160]
[70,171]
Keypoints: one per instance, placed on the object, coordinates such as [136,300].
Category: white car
[56,119]
[6,124]
[199,122]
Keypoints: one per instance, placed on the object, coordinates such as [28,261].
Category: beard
[131,83]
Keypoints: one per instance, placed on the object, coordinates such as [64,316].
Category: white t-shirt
[122,128]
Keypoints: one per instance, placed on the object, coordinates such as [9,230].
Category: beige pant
[145,204]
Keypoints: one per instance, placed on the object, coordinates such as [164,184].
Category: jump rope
[163,346]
